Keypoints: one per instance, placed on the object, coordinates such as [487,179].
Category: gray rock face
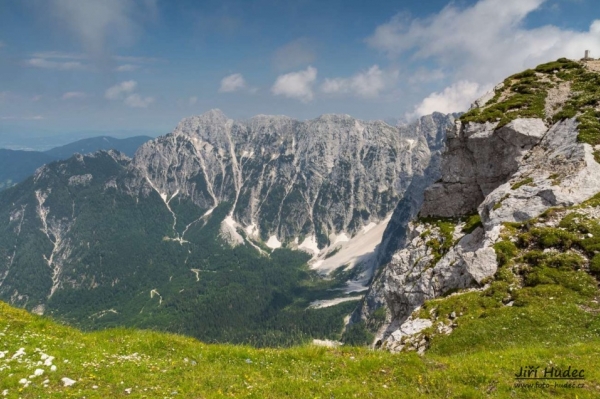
[513,173]
[435,127]
[286,178]
[559,172]
[478,159]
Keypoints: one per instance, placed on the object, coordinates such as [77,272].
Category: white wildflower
[67,381]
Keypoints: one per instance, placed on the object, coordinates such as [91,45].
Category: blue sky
[140,66]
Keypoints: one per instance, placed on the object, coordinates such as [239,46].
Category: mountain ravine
[196,233]
[516,204]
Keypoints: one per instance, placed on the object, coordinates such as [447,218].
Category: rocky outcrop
[477,160]
[560,171]
[435,128]
[506,174]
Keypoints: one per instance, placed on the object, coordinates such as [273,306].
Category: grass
[440,246]
[521,183]
[544,295]
[472,222]
[525,96]
[105,364]
[553,321]
[498,205]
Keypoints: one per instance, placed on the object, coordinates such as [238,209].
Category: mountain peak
[214,115]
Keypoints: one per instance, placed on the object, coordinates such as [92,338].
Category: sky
[140,66]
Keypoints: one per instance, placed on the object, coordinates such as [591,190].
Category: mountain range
[207,230]
[16,165]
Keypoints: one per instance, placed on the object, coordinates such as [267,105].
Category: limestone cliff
[516,154]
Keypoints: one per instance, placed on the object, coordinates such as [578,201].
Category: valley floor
[143,364]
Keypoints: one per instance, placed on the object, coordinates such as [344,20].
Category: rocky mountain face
[288,181]
[499,172]
[108,239]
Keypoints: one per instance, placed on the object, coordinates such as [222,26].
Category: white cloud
[482,44]
[485,42]
[48,64]
[137,101]
[73,95]
[193,100]
[232,83]
[124,90]
[36,98]
[97,23]
[117,91]
[296,85]
[365,84]
[294,54]
[455,98]
[127,68]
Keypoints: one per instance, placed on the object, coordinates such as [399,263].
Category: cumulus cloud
[127,68]
[455,98]
[125,91]
[486,41]
[48,64]
[193,100]
[482,43]
[95,24]
[73,95]
[294,54]
[137,101]
[232,83]
[297,85]
[117,91]
[367,84]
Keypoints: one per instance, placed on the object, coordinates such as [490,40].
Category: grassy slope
[160,365]
[524,95]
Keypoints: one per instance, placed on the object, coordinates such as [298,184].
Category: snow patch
[252,230]
[341,238]
[310,245]
[325,303]
[273,242]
